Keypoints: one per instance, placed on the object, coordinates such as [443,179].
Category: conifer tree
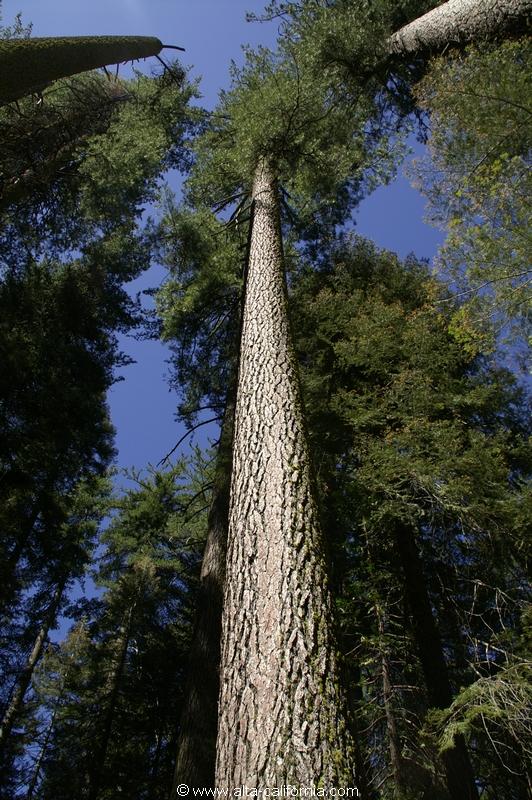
[30,64]
[204,258]
[311,147]
[426,494]
[115,706]
[73,538]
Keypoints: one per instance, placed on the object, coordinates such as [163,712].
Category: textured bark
[458,770]
[459,22]
[26,674]
[282,716]
[196,744]
[27,65]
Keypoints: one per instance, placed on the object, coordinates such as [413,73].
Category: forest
[333,598]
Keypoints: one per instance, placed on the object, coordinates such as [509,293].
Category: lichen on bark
[27,65]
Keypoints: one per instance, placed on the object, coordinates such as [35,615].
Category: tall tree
[202,256]
[30,64]
[279,676]
[274,532]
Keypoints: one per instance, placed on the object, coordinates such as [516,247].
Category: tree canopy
[335,591]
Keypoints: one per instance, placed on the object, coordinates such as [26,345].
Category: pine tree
[30,64]
[202,256]
[419,470]
[312,149]
[73,538]
[115,706]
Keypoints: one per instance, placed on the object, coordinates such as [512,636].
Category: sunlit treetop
[279,109]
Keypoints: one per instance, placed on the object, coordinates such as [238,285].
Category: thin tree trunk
[459,22]
[40,758]
[27,65]
[396,759]
[362,767]
[282,716]
[458,770]
[26,674]
[196,744]
[111,697]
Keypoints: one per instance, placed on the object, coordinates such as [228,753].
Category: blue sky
[212,32]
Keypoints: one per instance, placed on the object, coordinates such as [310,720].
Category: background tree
[199,308]
[70,534]
[477,180]
[30,64]
[420,448]
[114,705]
[66,252]
[61,311]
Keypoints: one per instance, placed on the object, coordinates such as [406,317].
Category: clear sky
[212,32]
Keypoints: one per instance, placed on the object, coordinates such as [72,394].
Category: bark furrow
[282,716]
[459,22]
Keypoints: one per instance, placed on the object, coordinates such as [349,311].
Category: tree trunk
[282,716]
[26,674]
[362,765]
[458,770]
[27,65]
[110,701]
[400,782]
[196,744]
[459,22]
[40,758]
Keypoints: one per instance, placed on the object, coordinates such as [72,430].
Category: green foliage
[57,356]
[40,142]
[279,108]
[147,136]
[91,156]
[410,425]
[114,719]
[345,43]
[477,178]
[494,711]
[199,303]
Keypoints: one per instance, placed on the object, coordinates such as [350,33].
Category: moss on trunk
[27,65]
